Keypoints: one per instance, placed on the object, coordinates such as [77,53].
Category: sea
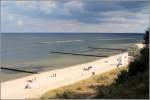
[33,51]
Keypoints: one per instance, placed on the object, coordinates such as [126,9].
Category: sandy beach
[42,82]
[49,44]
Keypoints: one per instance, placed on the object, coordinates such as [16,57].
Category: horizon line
[72,32]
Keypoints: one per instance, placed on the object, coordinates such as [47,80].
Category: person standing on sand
[92,70]
[53,75]
[93,73]
[119,59]
[27,86]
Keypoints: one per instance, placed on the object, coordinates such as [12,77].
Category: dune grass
[105,86]
[85,88]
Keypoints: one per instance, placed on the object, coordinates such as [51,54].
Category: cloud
[75,16]
[48,6]
[74,5]
[20,23]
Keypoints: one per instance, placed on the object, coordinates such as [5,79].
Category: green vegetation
[122,77]
[123,83]
[85,88]
[134,83]
[135,87]
[141,60]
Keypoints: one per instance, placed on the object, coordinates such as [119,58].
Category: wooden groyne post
[78,54]
[108,49]
[18,70]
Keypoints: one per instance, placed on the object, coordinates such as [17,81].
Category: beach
[42,82]
[50,44]
[32,52]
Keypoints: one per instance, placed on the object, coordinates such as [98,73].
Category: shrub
[134,52]
[141,64]
[122,76]
[65,94]
[79,88]
[146,37]
[100,79]
[134,67]
[145,58]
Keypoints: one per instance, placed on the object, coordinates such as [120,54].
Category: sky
[92,16]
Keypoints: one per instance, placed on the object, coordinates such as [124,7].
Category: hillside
[104,86]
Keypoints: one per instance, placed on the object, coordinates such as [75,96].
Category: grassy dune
[85,88]
[104,86]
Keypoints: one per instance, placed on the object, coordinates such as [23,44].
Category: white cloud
[126,18]
[4,3]
[74,5]
[10,17]
[112,21]
[45,6]
[59,25]
[48,6]
[28,5]
[20,23]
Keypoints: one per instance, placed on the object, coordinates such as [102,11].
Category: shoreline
[43,68]
[65,76]
[60,68]
[39,88]
[71,66]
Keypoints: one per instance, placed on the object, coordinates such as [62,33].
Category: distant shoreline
[56,33]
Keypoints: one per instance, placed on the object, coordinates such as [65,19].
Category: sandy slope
[15,89]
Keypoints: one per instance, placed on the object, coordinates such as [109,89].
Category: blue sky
[74,16]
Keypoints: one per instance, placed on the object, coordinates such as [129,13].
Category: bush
[66,94]
[134,67]
[62,94]
[122,76]
[141,64]
[145,58]
[134,51]
[146,37]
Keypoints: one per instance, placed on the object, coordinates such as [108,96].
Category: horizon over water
[32,51]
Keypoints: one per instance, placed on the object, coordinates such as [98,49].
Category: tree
[146,38]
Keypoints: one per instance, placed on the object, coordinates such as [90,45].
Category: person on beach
[87,68]
[92,70]
[90,67]
[53,75]
[30,81]
[27,86]
[119,59]
[93,73]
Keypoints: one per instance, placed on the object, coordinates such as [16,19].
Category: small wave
[41,43]
[69,41]
[63,41]
[116,39]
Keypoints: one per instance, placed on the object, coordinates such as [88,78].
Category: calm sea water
[32,51]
